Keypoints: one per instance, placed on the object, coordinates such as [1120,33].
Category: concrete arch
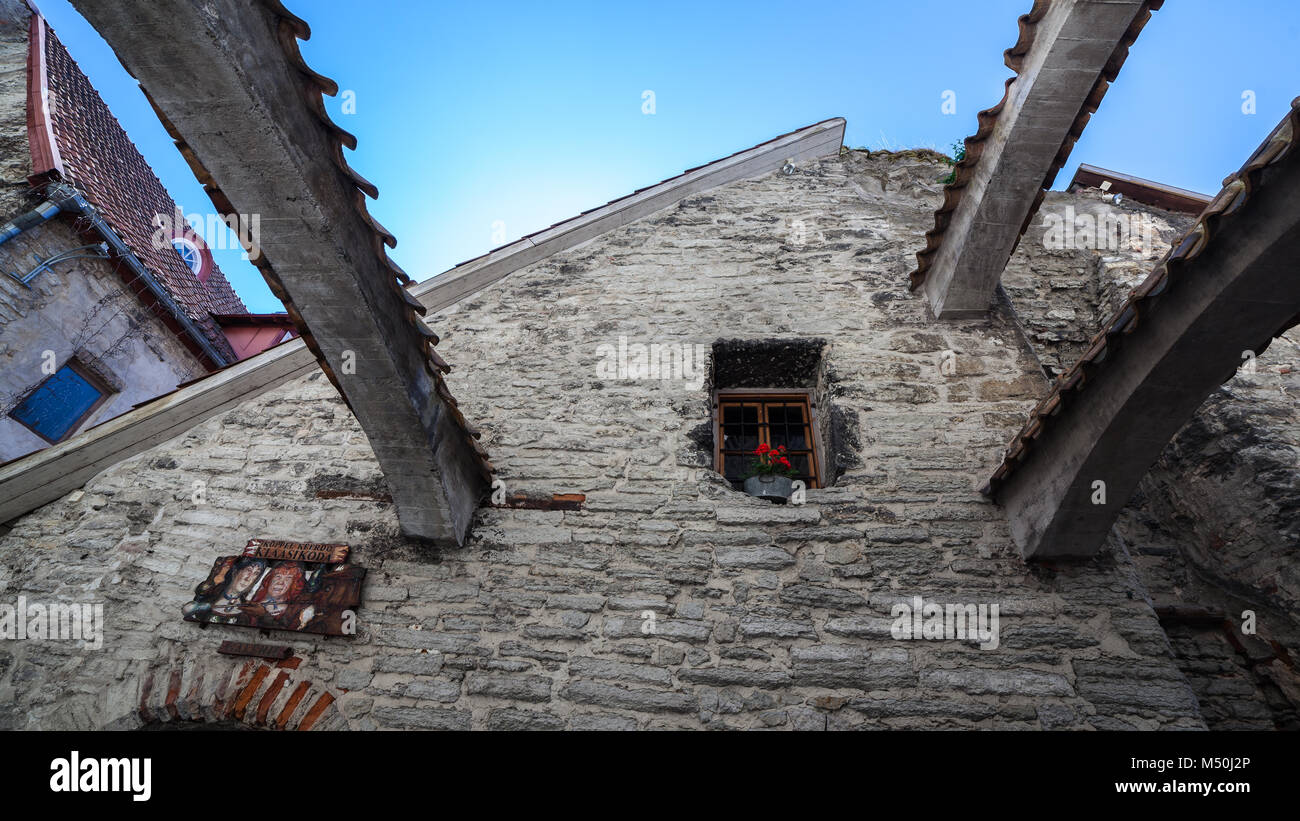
[1228,287]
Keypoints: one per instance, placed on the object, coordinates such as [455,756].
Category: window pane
[736,465]
[777,421]
[793,440]
[57,404]
[802,464]
[736,440]
[739,427]
[788,427]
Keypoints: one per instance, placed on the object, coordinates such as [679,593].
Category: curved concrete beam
[1068,54]
[1229,287]
[229,82]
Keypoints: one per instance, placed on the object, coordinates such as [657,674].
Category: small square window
[58,406]
[747,419]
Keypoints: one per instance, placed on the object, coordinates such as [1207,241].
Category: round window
[189,253]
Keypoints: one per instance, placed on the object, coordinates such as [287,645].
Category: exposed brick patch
[236,688]
[556,501]
[268,698]
[314,714]
[244,692]
[173,691]
[286,715]
[245,696]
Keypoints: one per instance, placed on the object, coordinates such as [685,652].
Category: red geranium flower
[763,448]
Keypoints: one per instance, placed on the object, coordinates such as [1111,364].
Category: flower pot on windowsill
[771,487]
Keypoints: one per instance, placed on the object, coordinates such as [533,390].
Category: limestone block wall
[16,195]
[1229,482]
[1066,280]
[1242,681]
[1217,526]
[669,599]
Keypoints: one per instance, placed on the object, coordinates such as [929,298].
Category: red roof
[92,152]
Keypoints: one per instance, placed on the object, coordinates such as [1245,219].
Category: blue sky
[470,114]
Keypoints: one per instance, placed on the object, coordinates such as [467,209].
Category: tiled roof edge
[44,148]
[964,170]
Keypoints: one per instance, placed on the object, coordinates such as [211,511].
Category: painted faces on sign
[247,572]
[277,594]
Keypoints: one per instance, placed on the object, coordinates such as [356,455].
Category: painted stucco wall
[80,307]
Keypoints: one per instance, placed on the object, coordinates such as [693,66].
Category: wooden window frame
[105,393]
[766,395]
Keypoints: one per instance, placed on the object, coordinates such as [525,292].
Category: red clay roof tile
[96,156]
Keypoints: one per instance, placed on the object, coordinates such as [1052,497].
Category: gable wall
[764,616]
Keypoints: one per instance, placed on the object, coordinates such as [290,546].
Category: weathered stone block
[522,688]
[650,701]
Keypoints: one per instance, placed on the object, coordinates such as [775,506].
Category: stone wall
[16,195]
[1217,526]
[1229,483]
[1242,681]
[668,599]
[1063,291]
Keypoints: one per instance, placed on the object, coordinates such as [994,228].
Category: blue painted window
[61,403]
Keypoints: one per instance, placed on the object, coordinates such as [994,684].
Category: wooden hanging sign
[279,594]
[297,551]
